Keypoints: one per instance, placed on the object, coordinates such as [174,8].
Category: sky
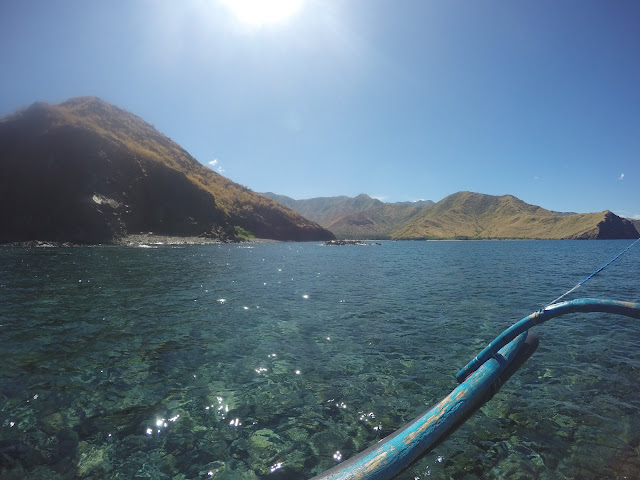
[403,100]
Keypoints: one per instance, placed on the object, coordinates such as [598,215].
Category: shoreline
[137,240]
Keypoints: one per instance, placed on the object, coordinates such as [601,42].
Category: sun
[262,12]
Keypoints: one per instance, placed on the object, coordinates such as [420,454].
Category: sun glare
[261,12]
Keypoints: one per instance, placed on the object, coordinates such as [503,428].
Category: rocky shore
[349,242]
[139,239]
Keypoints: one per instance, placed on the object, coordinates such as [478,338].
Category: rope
[594,273]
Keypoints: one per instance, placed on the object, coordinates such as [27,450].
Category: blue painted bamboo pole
[583,305]
[393,454]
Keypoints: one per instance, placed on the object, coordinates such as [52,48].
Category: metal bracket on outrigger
[479,380]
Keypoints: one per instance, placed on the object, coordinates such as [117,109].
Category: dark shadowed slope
[86,171]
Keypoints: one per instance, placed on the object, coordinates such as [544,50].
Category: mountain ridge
[467,215]
[86,171]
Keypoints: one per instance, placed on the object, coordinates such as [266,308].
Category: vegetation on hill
[376,223]
[354,217]
[463,215]
[477,216]
[324,209]
[87,171]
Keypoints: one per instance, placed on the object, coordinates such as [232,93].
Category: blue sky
[402,100]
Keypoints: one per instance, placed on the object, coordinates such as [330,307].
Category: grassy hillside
[477,216]
[243,205]
[89,162]
[358,217]
[379,222]
[461,215]
[324,210]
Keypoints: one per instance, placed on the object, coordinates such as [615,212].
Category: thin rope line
[594,273]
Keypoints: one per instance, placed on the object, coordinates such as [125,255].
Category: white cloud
[536,178]
[213,163]
[627,214]
[621,177]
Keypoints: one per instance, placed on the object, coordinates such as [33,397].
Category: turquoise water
[277,360]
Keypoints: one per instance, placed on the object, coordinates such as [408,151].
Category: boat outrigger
[479,380]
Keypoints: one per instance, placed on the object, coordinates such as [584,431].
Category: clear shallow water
[275,361]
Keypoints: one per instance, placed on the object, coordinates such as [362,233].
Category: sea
[280,360]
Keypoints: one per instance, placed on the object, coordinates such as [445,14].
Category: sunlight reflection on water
[270,361]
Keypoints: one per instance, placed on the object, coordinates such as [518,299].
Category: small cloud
[621,177]
[213,163]
[627,214]
[536,178]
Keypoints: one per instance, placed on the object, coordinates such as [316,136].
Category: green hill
[463,215]
[354,217]
[324,209]
[89,172]
[478,216]
[380,222]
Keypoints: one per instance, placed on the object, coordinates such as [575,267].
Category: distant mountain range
[463,215]
[85,171]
